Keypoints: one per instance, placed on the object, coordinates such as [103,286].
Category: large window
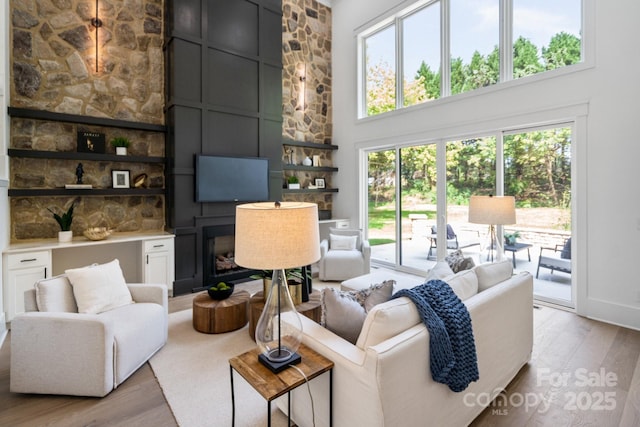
[403,55]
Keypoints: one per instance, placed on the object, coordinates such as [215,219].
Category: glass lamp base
[282,361]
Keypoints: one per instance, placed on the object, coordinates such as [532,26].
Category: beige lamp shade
[493,210]
[278,235]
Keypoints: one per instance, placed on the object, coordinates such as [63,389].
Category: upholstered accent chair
[344,255]
[556,258]
[57,350]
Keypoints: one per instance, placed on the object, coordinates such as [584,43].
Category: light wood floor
[563,344]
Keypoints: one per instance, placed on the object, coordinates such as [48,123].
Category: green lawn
[382,215]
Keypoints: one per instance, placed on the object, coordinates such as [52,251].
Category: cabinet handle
[158,246]
[147,259]
[29,260]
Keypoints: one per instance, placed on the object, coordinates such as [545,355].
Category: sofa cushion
[387,320]
[342,243]
[344,312]
[493,273]
[99,287]
[55,295]
[458,262]
[464,284]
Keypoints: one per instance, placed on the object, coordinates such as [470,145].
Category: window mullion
[399,65]
[506,40]
[445,49]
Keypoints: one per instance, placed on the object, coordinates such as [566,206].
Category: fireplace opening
[218,253]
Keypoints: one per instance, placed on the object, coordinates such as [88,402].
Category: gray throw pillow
[343,312]
[458,262]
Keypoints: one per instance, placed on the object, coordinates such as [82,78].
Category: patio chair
[557,258]
[452,240]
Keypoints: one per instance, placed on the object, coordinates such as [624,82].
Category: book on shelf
[78,186]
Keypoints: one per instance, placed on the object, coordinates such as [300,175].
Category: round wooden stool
[312,309]
[215,317]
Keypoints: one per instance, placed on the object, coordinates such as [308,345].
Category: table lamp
[492,210]
[277,236]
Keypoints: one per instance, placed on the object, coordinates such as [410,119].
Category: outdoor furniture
[557,258]
[452,240]
[516,247]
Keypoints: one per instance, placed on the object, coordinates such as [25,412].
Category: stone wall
[53,58]
[53,68]
[306,87]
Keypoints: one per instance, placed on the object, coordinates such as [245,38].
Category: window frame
[505,51]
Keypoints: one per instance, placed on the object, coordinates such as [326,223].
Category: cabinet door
[22,273]
[155,268]
[159,262]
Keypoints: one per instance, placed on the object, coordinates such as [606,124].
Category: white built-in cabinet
[144,258]
[158,261]
[22,271]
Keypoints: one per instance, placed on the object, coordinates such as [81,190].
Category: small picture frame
[320,183]
[91,142]
[120,178]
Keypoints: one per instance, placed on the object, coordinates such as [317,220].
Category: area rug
[193,372]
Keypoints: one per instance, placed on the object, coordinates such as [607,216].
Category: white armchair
[344,255]
[60,351]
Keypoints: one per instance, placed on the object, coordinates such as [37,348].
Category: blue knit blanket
[452,347]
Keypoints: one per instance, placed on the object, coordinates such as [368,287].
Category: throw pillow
[99,287]
[55,295]
[566,250]
[439,271]
[344,312]
[458,262]
[342,243]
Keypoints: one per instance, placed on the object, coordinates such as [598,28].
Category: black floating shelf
[307,190]
[315,145]
[27,113]
[74,155]
[310,168]
[84,192]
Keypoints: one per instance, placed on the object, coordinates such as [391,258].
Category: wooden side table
[312,309]
[214,317]
[271,385]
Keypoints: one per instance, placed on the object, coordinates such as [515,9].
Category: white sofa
[385,380]
[84,354]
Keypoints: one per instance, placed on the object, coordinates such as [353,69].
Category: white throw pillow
[55,295]
[342,243]
[99,287]
[439,271]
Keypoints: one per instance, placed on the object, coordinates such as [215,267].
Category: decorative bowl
[96,233]
[220,294]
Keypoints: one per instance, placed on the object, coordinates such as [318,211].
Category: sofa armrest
[324,248]
[72,351]
[146,292]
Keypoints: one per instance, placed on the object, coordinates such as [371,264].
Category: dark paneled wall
[224,97]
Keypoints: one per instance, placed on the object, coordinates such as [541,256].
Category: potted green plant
[121,143]
[294,182]
[510,238]
[266,277]
[64,221]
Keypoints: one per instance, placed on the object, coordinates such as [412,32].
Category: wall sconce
[97,23]
[302,76]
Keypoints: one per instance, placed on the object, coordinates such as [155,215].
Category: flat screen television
[231,179]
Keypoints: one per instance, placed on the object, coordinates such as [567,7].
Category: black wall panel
[224,97]
[233,81]
[233,25]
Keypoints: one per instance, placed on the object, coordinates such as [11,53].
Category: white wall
[602,99]
[4,172]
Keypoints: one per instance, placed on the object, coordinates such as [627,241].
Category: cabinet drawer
[157,245]
[28,259]
[342,224]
